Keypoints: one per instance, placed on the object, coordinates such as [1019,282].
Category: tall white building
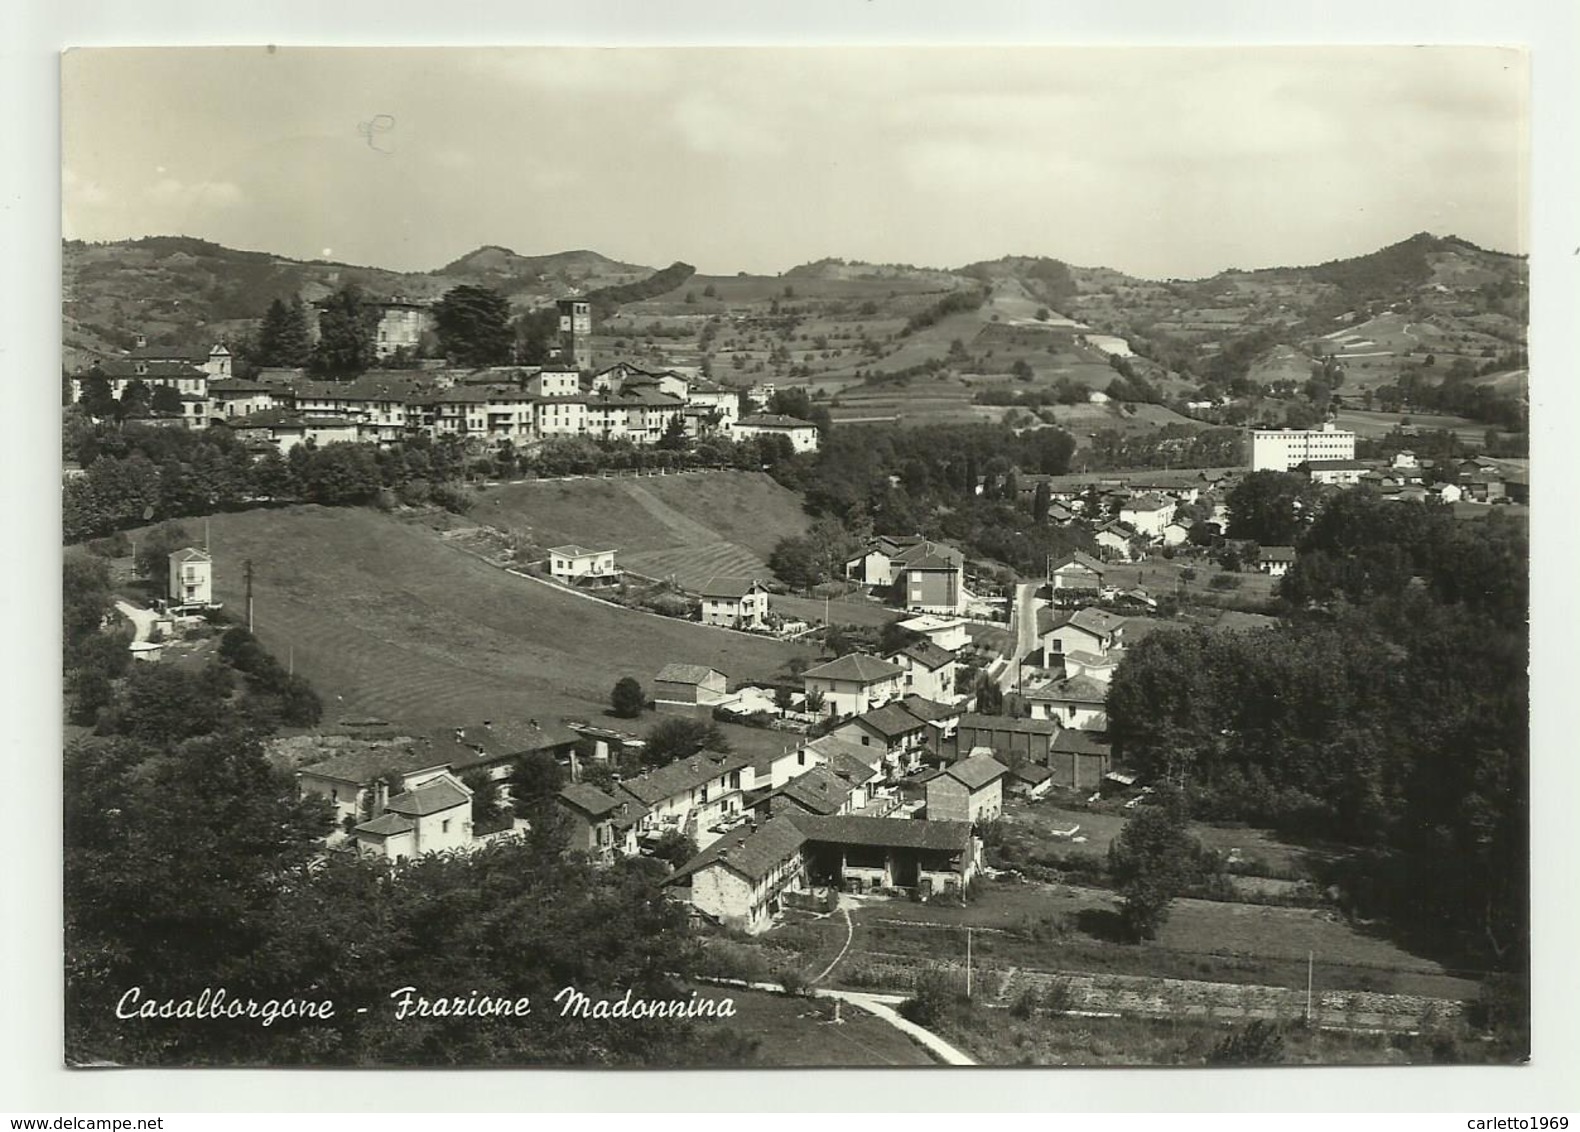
[1280,449]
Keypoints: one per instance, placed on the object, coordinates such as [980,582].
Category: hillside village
[979,630]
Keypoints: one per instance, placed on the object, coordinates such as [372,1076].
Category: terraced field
[387,620]
[687,527]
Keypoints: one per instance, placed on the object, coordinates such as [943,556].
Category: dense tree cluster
[956,302]
[347,333]
[1391,712]
[473,326]
[606,300]
[284,339]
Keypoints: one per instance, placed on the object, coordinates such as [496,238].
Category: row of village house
[823,811]
[282,408]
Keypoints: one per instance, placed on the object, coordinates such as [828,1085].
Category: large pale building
[1281,449]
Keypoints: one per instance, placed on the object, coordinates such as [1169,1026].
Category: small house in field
[970,790]
[576,564]
[854,683]
[1028,780]
[1275,561]
[191,577]
[1078,575]
[689,686]
[734,603]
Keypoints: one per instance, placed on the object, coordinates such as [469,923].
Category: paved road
[883,1006]
[1023,622]
[142,619]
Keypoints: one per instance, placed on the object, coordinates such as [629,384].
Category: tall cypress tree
[346,332]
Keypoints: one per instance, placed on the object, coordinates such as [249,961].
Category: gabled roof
[221,385]
[752,855]
[682,775]
[387,825]
[893,833]
[974,722]
[852,768]
[1075,689]
[930,710]
[1276,554]
[1079,558]
[621,808]
[1075,742]
[686,673]
[724,586]
[122,367]
[839,751]
[977,771]
[927,654]
[774,420]
[1149,504]
[361,767]
[891,721]
[858,666]
[818,791]
[429,798]
[929,555]
[479,744]
[190,554]
[1030,772]
[1097,622]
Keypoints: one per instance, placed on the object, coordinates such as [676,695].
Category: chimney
[488,725]
[532,723]
[460,734]
[142,342]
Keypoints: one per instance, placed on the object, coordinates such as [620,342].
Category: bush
[794,982]
[452,497]
[1223,582]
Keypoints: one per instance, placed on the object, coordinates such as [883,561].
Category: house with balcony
[734,603]
[577,565]
[929,670]
[854,683]
[693,795]
[191,578]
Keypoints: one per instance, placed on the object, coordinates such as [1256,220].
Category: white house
[572,563]
[692,795]
[1275,561]
[1148,515]
[1073,702]
[929,670]
[431,818]
[191,577]
[801,434]
[736,603]
[945,632]
[854,683]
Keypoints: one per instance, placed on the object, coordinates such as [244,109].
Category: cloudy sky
[1160,162]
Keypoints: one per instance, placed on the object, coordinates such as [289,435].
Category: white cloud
[204,194]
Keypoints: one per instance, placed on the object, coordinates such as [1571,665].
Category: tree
[627,699]
[473,326]
[680,738]
[1269,507]
[135,400]
[97,400]
[166,400]
[337,474]
[347,330]
[1257,1043]
[155,548]
[534,781]
[674,848]
[284,338]
[487,801]
[1041,501]
[1150,862]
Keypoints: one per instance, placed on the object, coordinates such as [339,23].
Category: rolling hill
[387,620]
[689,527]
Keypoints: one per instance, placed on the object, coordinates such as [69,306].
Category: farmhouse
[494,747]
[897,734]
[286,430]
[431,818]
[802,435]
[601,825]
[687,686]
[854,683]
[1114,539]
[970,790]
[1085,630]
[818,791]
[1334,473]
[1275,560]
[1079,575]
[359,782]
[691,795]
[1148,515]
[572,563]
[1075,701]
[735,603]
[739,879]
[929,670]
[191,577]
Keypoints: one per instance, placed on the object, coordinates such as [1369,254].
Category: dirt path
[142,619]
[850,935]
[1023,622]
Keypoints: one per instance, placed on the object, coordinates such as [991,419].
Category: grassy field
[852,609]
[801,1032]
[386,620]
[690,527]
[1372,425]
[1160,576]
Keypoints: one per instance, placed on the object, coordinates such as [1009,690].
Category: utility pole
[968,962]
[1310,957]
[246,573]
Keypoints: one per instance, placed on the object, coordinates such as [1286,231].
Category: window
[444,826]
